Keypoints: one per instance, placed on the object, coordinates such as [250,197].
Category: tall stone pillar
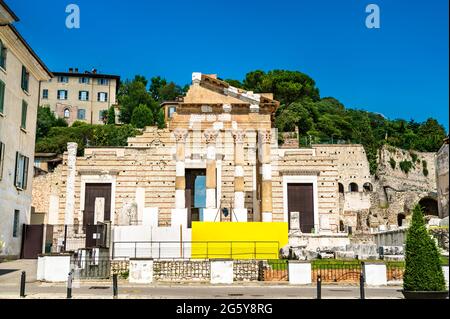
[239,210]
[70,183]
[265,138]
[210,214]
[179,214]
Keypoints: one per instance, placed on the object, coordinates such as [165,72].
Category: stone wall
[442,171]
[182,270]
[46,187]
[245,270]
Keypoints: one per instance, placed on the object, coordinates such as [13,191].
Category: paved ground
[10,281]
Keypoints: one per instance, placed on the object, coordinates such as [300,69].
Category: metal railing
[196,249]
[335,271]
[395,271]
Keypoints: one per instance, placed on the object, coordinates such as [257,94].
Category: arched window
[368,187]
[341,188]
[429,206]
[66,113]
[353,187]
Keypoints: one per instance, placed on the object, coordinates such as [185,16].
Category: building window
[62,94]
[102,96]
[2,55]
[66,113]
[102,81]
[368,187]
[2,158]
[84,80]
[102,115]
[23,123]
[353,187]
[63,79]
[21,175]
[83,95]
[16,223]
[25,78]
[2,96]
[172,109]
[45,94]
[81,114]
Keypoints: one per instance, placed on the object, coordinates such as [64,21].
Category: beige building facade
[20,74]
[77,96]
[217,161]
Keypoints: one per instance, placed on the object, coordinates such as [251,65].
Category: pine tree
[111,116]
[423,268]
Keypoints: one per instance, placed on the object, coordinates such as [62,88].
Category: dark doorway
[300,199]
[353,187]
[32,237]
[400,218]
[94,191]
[429,206]
[341,188]
[195,194]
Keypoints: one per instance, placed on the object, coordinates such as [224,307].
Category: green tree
[46,119]
[131,95]
[423,270]
[169,92]
[111,115]
[156,83]
[142,116]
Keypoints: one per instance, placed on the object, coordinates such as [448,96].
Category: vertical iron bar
[361,285]
[65,237]
[319,287]
[135,249]
[115,287]
[22,284]
[69,286]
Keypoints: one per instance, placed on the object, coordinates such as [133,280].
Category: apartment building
[80,96]
[21,71]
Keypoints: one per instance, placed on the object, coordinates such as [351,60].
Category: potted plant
[423,277]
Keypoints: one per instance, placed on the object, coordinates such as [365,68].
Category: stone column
[265,138]
[211,213]
[239,211]
[179,214]
[70,183]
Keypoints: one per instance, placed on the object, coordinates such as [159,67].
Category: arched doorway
[341,188]
[400,218]
[429,206]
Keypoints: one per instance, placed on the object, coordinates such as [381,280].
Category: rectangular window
[62,94]
[21,175]
[81,114]
[83,80]
[83,95]
[16,223]
[45,94]
[2,96]
[103,81]
[102,97]
[25,78]
[2,55]
[172,109]
[23,123]
[63,79]
[102,114]
[2,158]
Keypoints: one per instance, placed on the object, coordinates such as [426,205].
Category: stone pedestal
[141,271]
[375,274]
[239,215]
[53,268]
[299,272]
[445,271]
[221,271]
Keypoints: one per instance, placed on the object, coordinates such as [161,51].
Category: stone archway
[429,206]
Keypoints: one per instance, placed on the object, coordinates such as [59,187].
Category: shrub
[142,116]
[111,116]
[406,166]
[413,157]
[423,270]
[392,162]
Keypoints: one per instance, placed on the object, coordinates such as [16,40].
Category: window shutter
[24,114]
[2,96]
[2,157]
[16,175]
[25,173]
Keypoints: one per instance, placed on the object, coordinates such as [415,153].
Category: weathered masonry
[217,161]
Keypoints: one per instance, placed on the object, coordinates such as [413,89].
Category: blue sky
[400,70]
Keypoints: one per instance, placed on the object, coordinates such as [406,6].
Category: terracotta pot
[425,294]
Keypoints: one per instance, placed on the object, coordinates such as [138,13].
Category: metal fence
[395,271]
[196,249]
[273,270]
[91,267]
[335,271]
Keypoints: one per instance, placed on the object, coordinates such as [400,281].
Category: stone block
[299,273]
[345,255]
[445,271]
[54,268]
[221,271]
[375,274]
[141,271]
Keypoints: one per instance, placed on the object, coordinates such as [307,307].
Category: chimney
[70,70]
[76,70]
[94,71]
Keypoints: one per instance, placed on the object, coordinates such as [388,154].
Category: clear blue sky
[400,70]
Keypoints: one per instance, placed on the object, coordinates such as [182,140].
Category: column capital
[265,136]
[211,136]
[238,136]
[180,135]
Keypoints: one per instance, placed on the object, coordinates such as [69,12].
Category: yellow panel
[255,240]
